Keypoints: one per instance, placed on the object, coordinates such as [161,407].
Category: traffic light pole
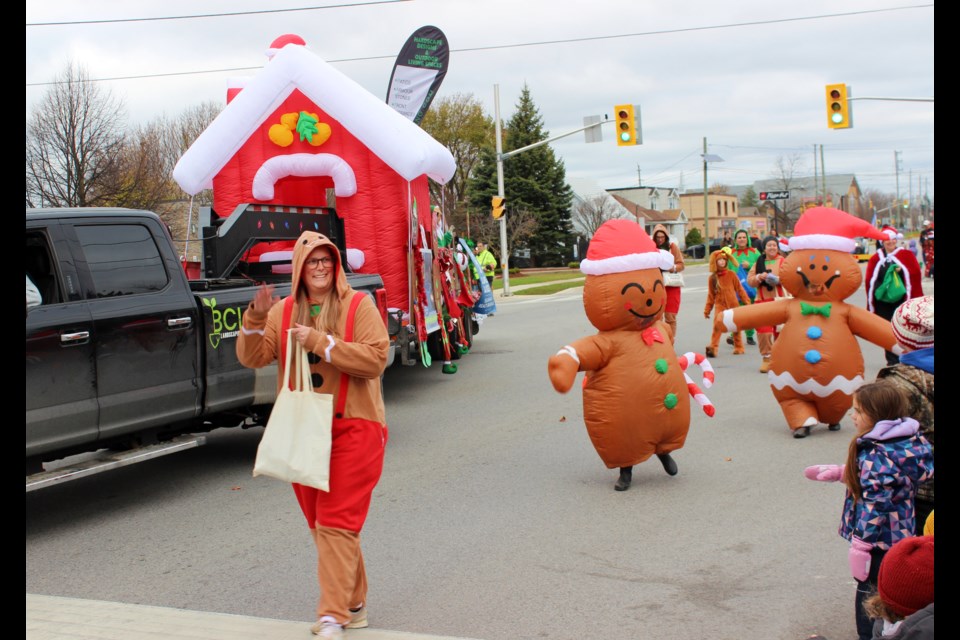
[510,154]
[851,99]
[504,251]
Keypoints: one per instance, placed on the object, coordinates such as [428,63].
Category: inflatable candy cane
[708,378]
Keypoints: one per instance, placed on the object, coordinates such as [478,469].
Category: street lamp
[707,157]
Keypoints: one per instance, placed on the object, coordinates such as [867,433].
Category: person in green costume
[745,255]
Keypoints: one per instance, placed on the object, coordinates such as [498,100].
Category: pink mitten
[824,472]
[859,557]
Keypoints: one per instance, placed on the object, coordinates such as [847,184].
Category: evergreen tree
[534,181]
[749,198]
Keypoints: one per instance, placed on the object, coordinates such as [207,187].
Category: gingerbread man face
[632,300]
[820,275]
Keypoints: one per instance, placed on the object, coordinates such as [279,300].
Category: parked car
[863,250]
[696,251]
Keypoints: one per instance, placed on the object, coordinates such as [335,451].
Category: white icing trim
[570,351]
[822,241]
[786,380]
[728,322]
[659,259]
[250,332]
[330,345]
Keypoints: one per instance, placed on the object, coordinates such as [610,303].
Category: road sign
[592,133]
[774,195]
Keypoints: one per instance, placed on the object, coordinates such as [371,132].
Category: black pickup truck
[125,352]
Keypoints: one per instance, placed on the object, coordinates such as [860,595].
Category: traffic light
[838,107]
[626,124]
[497,204]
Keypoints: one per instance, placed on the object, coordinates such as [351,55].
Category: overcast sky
[747,75]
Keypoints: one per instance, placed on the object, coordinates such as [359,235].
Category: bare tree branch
[589,214]
[785,174]
[74,143]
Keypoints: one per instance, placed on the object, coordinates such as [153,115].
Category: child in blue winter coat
[888,458]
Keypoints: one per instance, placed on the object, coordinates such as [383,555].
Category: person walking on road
[347,344]
[887,460]
[662,239]
[764,276]
[926,243]
[723,291]
[487,261]
[744,255]
[891,264]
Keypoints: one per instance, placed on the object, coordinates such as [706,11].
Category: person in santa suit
[926,243]
[891,256]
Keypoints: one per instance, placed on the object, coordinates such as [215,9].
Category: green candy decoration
[661,365]
[670,400]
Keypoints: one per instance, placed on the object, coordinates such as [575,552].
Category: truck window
[40,268]
[123,259]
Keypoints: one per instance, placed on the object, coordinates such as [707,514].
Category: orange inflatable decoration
[635,396]
[816,363]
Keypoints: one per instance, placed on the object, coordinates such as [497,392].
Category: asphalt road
[495,518]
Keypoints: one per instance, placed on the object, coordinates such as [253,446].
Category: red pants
[356,461]
[673,300]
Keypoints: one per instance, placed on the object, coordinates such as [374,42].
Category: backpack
[891,289]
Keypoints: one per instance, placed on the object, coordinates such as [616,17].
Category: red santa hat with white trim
[832,229]
[619,246]
[282,41]
[891,232]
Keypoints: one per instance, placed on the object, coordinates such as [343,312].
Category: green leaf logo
[306,126]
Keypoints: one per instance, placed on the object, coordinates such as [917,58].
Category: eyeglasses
[313,263]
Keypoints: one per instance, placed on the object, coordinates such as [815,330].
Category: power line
[209,15]
[517,44]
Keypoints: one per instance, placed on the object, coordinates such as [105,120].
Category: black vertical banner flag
[418,72]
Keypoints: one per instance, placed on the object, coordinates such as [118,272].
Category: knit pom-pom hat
[913,323]
[622,245]
[905,581]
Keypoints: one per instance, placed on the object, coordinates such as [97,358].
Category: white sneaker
[327,628]
[358,619]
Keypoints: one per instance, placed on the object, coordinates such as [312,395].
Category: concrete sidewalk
[56,618]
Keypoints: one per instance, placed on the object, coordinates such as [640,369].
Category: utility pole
[706,209]
[504,252]
[909,207]
[816,174]
[896,168]
[706,202]
[823,179]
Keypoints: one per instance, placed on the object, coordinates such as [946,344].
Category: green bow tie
[807,309]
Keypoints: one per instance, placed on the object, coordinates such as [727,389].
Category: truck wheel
[474,327]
